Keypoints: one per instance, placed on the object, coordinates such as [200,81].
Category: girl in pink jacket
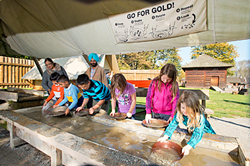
[163,94]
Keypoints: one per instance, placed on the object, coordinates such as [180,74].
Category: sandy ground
[24,155]
[28,155]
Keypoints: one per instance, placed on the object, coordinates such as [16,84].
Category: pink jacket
[160,102]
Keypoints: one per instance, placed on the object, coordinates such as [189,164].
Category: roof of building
[206,61]
[233,79]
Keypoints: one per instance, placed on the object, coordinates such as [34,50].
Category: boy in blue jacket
[71,94]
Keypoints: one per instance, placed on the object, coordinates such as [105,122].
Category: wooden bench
[203,95]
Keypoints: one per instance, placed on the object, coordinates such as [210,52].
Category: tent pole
[38,66]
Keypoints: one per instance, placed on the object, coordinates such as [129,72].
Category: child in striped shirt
[97,91]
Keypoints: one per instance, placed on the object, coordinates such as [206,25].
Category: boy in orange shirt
[57,92]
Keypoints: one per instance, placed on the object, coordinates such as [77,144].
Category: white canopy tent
[63,28]
[74,66]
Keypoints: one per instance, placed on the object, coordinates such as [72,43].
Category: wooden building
[206,71]
[237,82]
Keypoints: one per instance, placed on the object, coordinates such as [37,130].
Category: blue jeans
[79,103]
[132,117]
[161,116]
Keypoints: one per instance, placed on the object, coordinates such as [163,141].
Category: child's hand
[45,103]
[91,111]
[148,117]
[129,115]
[162,139]
[54,106]
[67,111]
[185,150]
[79,109]
[112,113]
[170,119]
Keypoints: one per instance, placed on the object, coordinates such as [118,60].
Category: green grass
[3,124]
[229,105]
[223,104]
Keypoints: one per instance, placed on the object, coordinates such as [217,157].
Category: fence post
[16,72]
[9,71]
[1,70]
[5,80]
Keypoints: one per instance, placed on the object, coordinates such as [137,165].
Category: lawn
[229,105]
[223,104]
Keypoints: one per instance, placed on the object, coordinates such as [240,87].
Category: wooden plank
[1,70]
[8,96]
[26,91]
[9,71]
[20,74]
[16,64]
[14,84]
[16,71]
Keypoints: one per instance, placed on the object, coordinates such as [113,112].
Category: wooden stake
[1,70]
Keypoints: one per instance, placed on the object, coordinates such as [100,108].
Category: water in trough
[133,142]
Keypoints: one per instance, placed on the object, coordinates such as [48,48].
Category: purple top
[125,100]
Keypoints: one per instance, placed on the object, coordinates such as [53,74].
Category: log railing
[12,70]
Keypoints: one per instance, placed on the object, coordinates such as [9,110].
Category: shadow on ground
[230,122]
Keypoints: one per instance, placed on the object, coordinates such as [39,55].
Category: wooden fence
[12,70]
[140,74]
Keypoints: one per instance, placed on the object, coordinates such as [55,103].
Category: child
[71,94]
[96,90]
[57,92]
[191,114]
[126,95]
[163,94]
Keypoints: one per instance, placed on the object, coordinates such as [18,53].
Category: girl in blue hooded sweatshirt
[191,114]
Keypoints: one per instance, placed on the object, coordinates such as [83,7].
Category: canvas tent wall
[62,28]
[74,66]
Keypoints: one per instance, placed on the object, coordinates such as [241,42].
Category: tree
[169,56]
[223,52]
[243,68]
[132,61]
[149,59]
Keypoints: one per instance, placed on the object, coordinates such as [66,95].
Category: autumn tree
[169,56]
[132,61]
[149,60]
[223,52]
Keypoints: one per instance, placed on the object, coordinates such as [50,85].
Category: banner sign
[168,19]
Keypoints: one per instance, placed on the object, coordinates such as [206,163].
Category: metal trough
[71,149]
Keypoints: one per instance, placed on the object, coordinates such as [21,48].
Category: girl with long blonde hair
[125,94]
[163,94]
[190,113]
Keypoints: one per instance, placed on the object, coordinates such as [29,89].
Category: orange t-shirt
[58,92]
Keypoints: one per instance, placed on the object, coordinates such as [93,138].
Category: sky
[243,49]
